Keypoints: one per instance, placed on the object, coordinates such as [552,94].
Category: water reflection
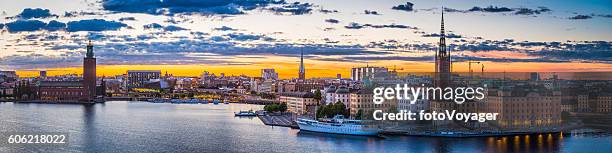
[145,127]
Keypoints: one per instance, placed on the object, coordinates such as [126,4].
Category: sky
[187,37]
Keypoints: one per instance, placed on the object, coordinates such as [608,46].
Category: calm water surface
[149,127]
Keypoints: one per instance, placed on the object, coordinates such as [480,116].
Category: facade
[604,103]
[297,102]
[342,95]
[525,108]
[362,100]
[359,73]
[269,74]
[62,91]
[140,78]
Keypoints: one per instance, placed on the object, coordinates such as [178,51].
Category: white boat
[245,113]
[338,125]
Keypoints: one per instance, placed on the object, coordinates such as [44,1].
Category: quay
[284,120]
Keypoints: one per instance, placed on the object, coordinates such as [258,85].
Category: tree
[318,96]
[283,107]
[359,114]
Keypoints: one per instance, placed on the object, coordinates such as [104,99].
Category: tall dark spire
[443,58]
[90,53]
[442,44]
[302,73]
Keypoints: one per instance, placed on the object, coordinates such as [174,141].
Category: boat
[215,101]
[338,125]
[245,113]
[226,102]
[203,101]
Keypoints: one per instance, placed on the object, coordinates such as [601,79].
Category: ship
[245,113]
[338,125]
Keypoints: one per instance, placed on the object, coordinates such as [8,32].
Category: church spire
[302,73]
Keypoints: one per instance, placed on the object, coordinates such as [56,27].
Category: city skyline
[388,34]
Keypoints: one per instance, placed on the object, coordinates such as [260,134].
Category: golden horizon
[323,69]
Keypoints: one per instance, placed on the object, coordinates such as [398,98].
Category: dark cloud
[55,26]
[580,17]
[493,9]
[29,13]
[528,11]
[25,25]
[170,7]
[248,37]
[127,19]
[164,28]
[406,7]
[225,28]
[325,11]
[94,25]
[332,21]
[354,25]
[371,12]
[605,15]
[295,8]
[80,13]
[448,35]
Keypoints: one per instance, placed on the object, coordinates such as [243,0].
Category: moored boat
[338,125]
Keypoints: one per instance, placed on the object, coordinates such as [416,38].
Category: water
[149,127]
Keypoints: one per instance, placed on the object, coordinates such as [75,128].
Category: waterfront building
[359,73]
[342,95]
[525,108]
[72,88]
[604,103]
[62,91]
[297,102]
[89,73]
[7,91]
[362,101]
[330,94]
[140,78]
[269,74]
[8,76]
[183,84]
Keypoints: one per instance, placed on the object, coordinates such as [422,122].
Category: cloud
[496,9]
[29,13]
[325,11]
[94,25]
[528,11]
[407,7]
[295,8]
[225,28]
[171,7]
[332,21]
[25,25]
[493,9]
[580,17]
[371,12]
[165,28]
[55,26]
[448,35]
[127,19]
[354,25]
[248,37]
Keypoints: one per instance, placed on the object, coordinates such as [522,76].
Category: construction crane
[470,66]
